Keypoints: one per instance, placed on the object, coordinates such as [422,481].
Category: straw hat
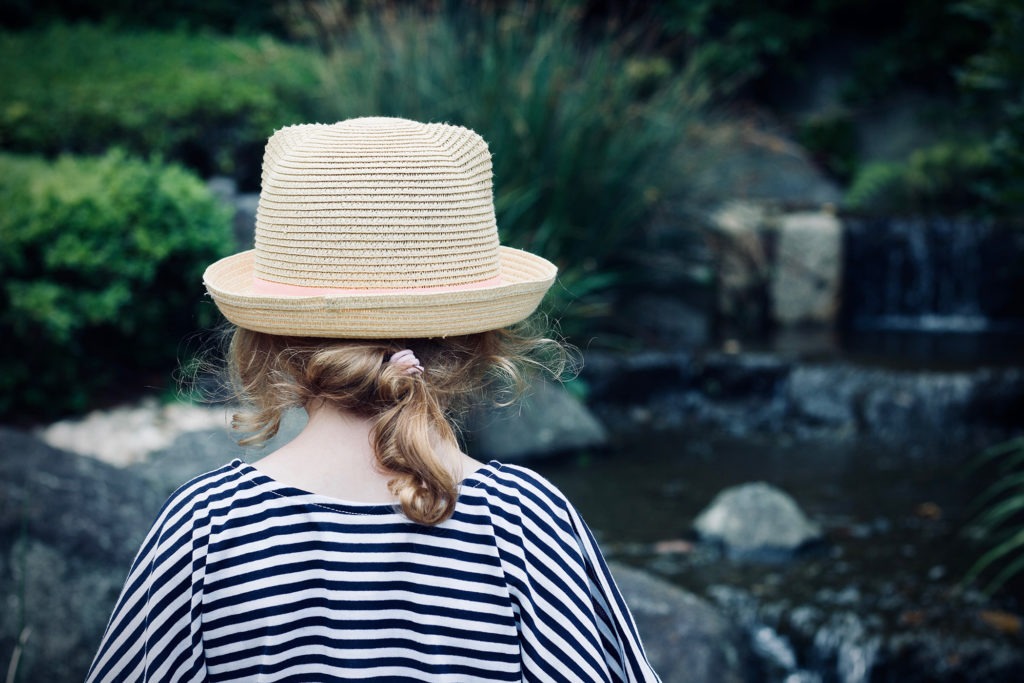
[377,228]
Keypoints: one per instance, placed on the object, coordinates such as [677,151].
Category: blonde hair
[410,413]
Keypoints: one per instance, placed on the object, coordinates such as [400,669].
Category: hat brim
[406,313]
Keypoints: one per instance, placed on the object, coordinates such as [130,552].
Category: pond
[879,601]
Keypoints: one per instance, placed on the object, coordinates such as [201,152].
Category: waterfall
[932,274]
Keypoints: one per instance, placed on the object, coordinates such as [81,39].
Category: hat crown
[376,204]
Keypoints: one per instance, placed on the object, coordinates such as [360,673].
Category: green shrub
[993,79]
[587,144]
[832,140]
[206,101]
[734,42]
[100,275]
[951,177]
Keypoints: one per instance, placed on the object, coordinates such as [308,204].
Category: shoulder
[520,483]
[206,488]
[200,496]
[527,494]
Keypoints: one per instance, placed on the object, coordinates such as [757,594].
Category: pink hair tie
[407,360]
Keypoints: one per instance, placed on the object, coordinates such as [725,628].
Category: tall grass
[586,140]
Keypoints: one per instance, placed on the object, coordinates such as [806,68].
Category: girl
[371,547]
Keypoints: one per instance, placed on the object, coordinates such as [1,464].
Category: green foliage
[1000,520]
[832,140]
[587,143]
[732,42]
[912,44]
[994,79]
[205,101]
[100,274]
[736,43]
[946,177]
[982,170]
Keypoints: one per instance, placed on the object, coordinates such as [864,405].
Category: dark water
[925,350]
[890,571]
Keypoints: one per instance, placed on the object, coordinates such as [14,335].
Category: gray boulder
[546,422]
[805,279]
[69,528]
[196,452]
[244,206]
[687,639]
[756,521]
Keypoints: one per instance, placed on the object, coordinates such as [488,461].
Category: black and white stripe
[244,579]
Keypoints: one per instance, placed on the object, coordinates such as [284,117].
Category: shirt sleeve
[155,631]
[622,640]
[574,624]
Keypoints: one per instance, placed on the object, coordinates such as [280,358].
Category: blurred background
[790,247]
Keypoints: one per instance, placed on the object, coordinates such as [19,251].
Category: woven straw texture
[374,228]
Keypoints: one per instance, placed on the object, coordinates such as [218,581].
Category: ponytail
[405,437]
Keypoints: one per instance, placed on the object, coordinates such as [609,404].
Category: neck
[343,435]
[333,455]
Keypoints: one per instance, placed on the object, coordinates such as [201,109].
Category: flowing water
[940,289]
[878,601]
[932,273]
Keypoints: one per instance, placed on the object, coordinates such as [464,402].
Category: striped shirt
[245,579]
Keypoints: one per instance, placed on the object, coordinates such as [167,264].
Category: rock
[752,157]
[760,391]
[127,434]
[743,264]
[194,452]
[69,528]
[997,398]
[222,187]
[546,422]
[783,265]
[665,321]
[244,206]
[635,377]
[742,377]
[806,277]
[687,639]
[774,267]
[825,395]
[188,456]
[856,642]
[756,521]
[893,404]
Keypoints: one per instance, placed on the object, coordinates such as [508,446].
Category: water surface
[893,515]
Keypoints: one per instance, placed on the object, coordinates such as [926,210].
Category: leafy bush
[587,144]
[100,274]
[733,42]
[206,101]
[946,177]
[762,44]
[832,140]
[993,78]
